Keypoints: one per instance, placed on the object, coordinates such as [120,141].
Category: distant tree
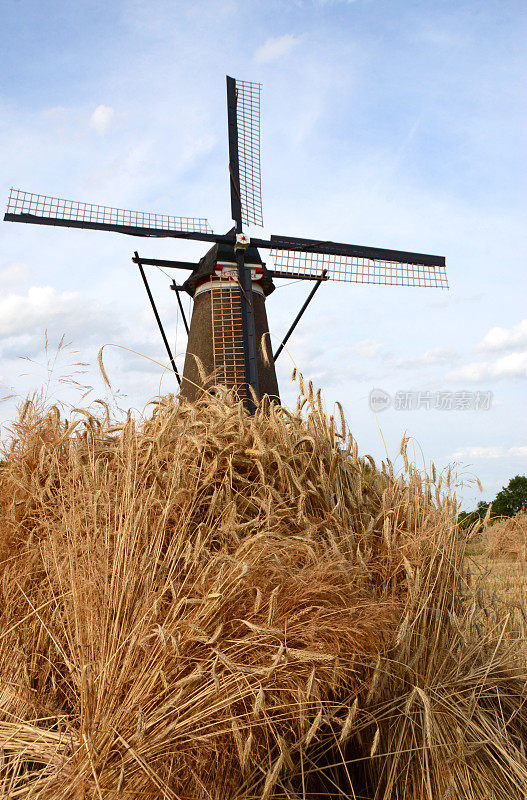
[509,501]
[466,518]
[512,498]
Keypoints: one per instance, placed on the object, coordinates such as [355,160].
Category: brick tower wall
[215,337]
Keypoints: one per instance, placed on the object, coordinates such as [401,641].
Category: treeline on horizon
[509,501]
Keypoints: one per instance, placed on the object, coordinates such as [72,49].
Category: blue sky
[397,124]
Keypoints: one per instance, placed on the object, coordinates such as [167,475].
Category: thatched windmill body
[228,337]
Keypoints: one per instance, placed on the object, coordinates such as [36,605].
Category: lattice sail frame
[356,269]
[248,122]
[54,208]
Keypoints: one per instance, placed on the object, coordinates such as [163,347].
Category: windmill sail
[243,103]
[357,269]
[356,263]
[41,209]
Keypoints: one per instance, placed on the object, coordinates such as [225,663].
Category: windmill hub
[242,241]
[228,339]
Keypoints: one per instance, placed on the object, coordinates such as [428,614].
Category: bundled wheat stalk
[209,605]
[507,538]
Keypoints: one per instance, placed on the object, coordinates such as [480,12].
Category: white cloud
[14,274]
[449,299]
[513,365]
[276,48]
[28,315]
[101,118]
[518,451]
[440,38]
[367,348]
[505,338]
[20,313]
[436,355]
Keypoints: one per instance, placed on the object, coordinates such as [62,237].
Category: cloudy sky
[396,123]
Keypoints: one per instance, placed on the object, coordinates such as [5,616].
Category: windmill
[228,334]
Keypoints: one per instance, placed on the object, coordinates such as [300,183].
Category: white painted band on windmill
[222,283]
[229,269]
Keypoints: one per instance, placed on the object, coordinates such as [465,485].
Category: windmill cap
[225,252]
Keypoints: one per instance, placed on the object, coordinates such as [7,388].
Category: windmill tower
[216,333]
[228,338]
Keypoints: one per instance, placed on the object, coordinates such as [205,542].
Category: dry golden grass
[208,605]
[500,573]
[506,579]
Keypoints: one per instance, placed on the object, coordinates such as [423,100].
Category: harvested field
[205,605]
